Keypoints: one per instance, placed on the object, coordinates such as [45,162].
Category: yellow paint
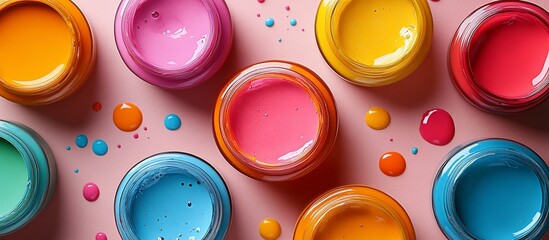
[357,222]
[377,118]
[269,229]
[376,32]
[35,46]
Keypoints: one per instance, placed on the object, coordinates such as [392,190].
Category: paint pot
[47,50]
[354,212]
[172,195]
[27,176]
[375,42]
[173,44]
[275,121]
[492,189]
[499,56]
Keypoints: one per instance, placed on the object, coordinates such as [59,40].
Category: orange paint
[392,164]
[269,229]
[127,117]
[377,118]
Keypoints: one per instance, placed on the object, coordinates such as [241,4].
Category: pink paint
[260,1]
[510,54]
[287,8]
[437,127]
[90,192]
[169,34]
[273,120]
[101,236]
[136,135]
[118,146]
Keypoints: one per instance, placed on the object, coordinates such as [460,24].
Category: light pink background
[353,160]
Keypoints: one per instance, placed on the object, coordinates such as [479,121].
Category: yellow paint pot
[374,42]
[47,50]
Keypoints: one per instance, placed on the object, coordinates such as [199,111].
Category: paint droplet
[118,146]
[68,148]
[269,22]
[414,150]
[392,164]
[287,8]
[303,29]
[90,192]
[269,229]
[377,118]
[437,127]
[190,204]
[258,15]
[81,141]
[100,236]
[260,1]
[172,122]
[293,22]
[155,14]
[127,117]
[145,129]
[76,170]
[136,135]
[96,106]
[280,40]
[100,147]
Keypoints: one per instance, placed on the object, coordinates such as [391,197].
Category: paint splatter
[127,117]
[100,147]
[392,164]
[269,22]
[172,122]
[136,135]
[377,118]
[76,170]
[293,22]
[287,7]
[68,148]
[96,106]
[100,236]
[81,141]
[415,150]
[269,229]
[90,192]
[437,127]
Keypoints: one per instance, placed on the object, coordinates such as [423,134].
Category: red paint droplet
[90,192]
[392,164]
[390,139]
[258,15]
[437,127]
[145,128]
[118,146]
[303,29]
[96,106]
[287,8]
[101,236]
[260,1]
[135,135]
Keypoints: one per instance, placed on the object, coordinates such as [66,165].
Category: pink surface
[273,120]
[353,160]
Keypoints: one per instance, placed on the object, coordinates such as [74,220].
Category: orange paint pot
[354,212]
[47,50]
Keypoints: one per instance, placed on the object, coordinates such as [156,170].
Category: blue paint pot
[492,189]
[172,196]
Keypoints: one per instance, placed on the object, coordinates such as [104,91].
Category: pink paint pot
[499,56]
[173,44]
[275,121]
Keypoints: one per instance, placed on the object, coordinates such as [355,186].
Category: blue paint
[172,122]
[269,22]
[100,147]
[172,196]
[280,40]
[414,150]
[76,170]
[81,141]
[68,148]
[496,189]
[293,22]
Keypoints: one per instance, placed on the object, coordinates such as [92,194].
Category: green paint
[13,177]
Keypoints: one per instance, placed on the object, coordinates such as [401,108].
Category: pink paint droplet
[145,128]
[258,15]
[135,135]
[101,236]
[118,146]
[437,127]
[90,192]
[260,1]
[303,29]
[287,8]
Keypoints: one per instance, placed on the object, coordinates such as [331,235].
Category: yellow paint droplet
[127,117]
[269,229]
[377,118]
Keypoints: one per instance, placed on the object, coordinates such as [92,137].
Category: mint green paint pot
[27,176]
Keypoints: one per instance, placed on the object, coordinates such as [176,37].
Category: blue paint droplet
[81,141]
[269,22]
[68,148]
[100,147]
[172,122]
[414,150]
[280,40]
[293,22]
[76,170]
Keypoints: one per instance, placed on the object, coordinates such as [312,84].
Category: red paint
[392,164]
[136,135]
[287,8]
[260,1]
[90,192]
[101,236]
[437,127]
[96,106]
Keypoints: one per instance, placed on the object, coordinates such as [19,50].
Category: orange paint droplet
[392,164]
[269,229]
[127,117]
[377,118]
[96,106]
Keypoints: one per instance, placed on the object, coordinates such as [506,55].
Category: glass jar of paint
[492,189]
[275,121]
[47,50]
[27,176]
[354,212]
[499,56]
[172,195]
[375,42]
[173,44]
